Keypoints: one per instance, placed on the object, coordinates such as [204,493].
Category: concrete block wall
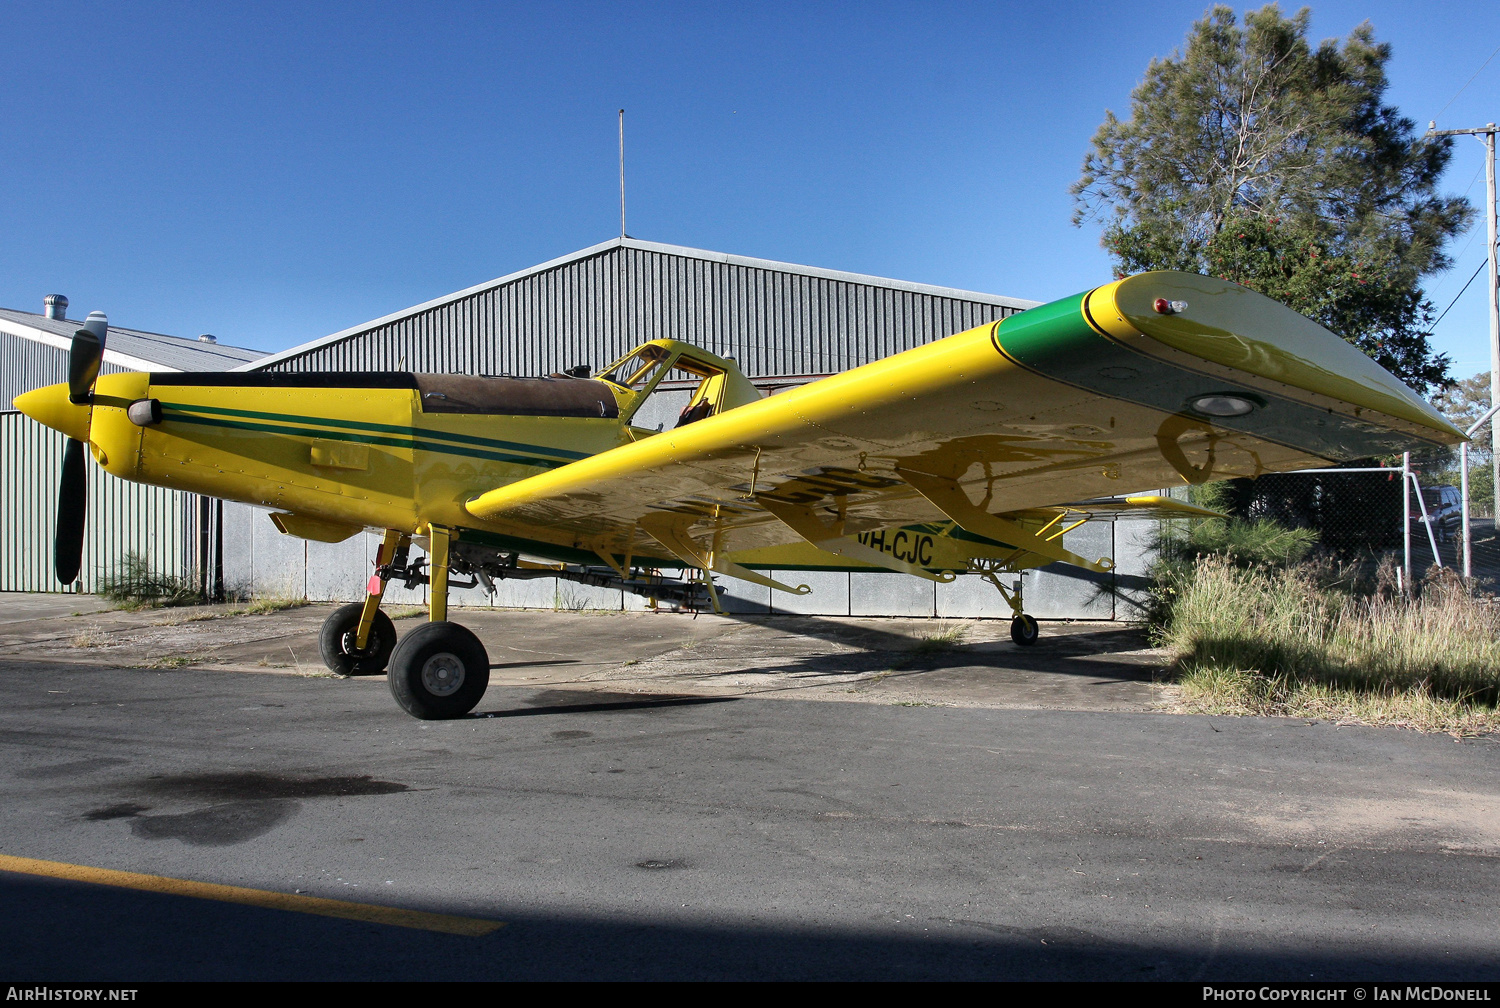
[259,560]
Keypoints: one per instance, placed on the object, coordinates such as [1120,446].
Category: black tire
[1024,631]
[439,671]
[336,642]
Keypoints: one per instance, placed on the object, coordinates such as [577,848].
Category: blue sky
[274,172]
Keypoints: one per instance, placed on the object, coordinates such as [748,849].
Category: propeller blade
[72,509]
[85,356]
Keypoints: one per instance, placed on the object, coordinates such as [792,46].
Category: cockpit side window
[705,402]
[663,407]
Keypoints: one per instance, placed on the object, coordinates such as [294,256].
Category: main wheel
[439,671]
[336,642]
[1024,631]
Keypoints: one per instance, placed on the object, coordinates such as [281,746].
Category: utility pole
[1486,134]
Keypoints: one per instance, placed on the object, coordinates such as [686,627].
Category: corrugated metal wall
[123,517]
[26,364]
[773,322]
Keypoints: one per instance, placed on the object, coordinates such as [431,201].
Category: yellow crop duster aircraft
[969,455]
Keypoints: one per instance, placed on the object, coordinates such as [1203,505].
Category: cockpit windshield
[639,369]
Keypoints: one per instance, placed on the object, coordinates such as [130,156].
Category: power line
[1472,234]
[1482,263]
[1466,85]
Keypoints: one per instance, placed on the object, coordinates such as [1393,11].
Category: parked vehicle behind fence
[1444,511]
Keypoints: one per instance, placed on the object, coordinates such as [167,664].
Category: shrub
[133,584]
[1183,545]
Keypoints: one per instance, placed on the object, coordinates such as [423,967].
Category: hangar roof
[322,351]
[131,349]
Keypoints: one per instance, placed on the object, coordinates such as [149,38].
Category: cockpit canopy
[667,383]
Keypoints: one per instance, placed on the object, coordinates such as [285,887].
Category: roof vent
[206,338]
[57,306]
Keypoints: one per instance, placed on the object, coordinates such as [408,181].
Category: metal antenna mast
[1486,134]
[622,174]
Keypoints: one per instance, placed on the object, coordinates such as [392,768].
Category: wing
[1156,380]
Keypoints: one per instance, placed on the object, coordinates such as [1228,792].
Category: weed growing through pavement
[170,661]
[944,638]
[271,604]
[90,637]
[256,607]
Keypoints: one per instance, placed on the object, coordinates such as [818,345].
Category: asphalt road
[642,836]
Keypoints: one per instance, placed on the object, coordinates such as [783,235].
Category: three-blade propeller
[84,358]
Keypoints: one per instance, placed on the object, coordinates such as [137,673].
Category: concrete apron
[583,655]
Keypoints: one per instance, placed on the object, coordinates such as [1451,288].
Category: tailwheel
[1024,631]
[336,642]
[439,671]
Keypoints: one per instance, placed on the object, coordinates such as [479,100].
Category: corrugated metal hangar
[170,528]
[784,324]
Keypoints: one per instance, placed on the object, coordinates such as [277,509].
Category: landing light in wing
[1222,405]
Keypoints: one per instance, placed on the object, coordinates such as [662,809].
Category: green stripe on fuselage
[1056,341]
[362,425]
[175,415]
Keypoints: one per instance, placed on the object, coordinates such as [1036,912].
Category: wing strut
[671,530]
[948,497]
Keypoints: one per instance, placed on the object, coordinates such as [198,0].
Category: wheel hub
[347,643]
[443,674]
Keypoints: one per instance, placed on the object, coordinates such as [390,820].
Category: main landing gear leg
[394,545]
[439,670]
[357,639]
[1023,628]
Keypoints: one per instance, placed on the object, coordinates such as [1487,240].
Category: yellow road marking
[294,903]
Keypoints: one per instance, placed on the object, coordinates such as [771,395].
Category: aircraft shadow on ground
[180,938]
[1069,654]
[596,702]
[877,650]
[532,664]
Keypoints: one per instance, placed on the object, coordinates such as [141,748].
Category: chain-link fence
[1368,513]
[1352,512]
[1365,514]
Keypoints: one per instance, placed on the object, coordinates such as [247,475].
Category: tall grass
[1300,639]
[1259,622]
